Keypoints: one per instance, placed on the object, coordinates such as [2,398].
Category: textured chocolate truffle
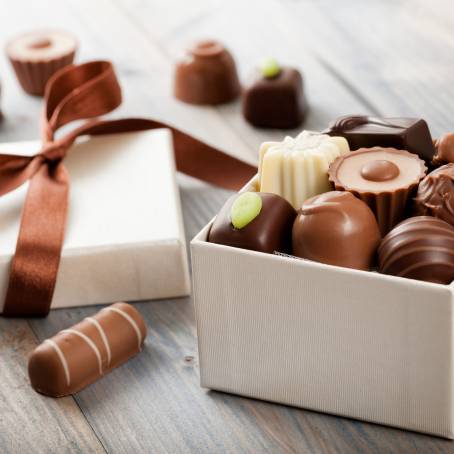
[37,55]
[435,196]
[444,149]
[420,248]
[206,75]
[269,231]
[384,178]
[276,100]
[338,229]
[361,131]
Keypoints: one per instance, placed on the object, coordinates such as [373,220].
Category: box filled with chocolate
[124,236]
[338,329]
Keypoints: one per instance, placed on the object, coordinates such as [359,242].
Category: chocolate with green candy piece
[275,97]
[246,223]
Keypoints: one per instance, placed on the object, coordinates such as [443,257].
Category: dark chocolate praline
[270,231]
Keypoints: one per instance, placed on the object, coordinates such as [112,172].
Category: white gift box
[124,233]
[348,342]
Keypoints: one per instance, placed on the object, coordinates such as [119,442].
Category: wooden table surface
[391,57]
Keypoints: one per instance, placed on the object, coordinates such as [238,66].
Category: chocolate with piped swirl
[362,131]
[435,196]
[420,247]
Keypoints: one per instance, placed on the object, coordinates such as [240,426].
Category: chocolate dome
[338,229]
[435,195]
[420,248]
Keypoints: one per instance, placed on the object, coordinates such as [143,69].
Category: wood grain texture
[30,422]
[154,402]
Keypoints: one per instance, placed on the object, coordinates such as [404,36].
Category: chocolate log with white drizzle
[80,355]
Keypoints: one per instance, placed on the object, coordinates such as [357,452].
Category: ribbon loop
[74,93]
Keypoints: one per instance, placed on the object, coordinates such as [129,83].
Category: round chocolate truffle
[420,248]
[444,147]
[338,229]
[206,75]
[384,178]
[37,55]
[435,196]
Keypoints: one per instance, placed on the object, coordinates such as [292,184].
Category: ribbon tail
[35,264]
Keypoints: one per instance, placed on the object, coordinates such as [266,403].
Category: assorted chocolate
[37,55]
[80,355]
[297,168]
[338,229]
[255,220]
[411,134]
[275,97]
[384,213]
[435,196]
[420,248]
[206,75]
[384,178]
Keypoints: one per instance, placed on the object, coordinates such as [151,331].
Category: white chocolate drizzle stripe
[102,333]
[131,321]
[91,344]
[62,358]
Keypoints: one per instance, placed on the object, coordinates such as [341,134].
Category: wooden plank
[30,422]
[397,55]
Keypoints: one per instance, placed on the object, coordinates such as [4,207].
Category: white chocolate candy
[297,168]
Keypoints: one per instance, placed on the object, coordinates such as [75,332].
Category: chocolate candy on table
[37,55]
[275,97]
[77,357]
[409,134]
[338,229]
[420,248]
[297,168]
[384,178]
[254,220]
[444,147]
[435,196]
[206,75]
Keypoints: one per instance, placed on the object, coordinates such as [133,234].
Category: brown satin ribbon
[75,93]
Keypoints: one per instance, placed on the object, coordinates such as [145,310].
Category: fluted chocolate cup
[37,55]
[206,75]
[384,178]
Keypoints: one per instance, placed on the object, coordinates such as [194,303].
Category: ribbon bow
[74,93]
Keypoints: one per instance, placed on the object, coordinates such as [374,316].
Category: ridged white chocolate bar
[297,168]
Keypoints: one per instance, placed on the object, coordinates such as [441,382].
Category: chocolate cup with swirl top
[420,248]
[435,196]
[384,178]
[411,134]
[206,75]
[336,228]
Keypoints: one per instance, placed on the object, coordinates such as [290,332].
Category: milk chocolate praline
[269,231]
[384,178]
[444,149]
[206,75]
[338,229]
[420,248]
[435,196]
[37,55]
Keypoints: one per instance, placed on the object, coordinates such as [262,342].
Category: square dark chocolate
[275,102]
[270,231]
